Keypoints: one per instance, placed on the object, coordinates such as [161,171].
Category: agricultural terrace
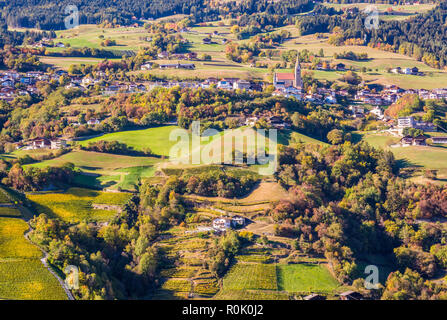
[77,204]
[23,276]
[183,272]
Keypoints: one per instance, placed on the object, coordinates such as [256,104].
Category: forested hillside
[423,37]
[49,14]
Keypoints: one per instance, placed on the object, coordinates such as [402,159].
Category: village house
[413,141]
[351,295]
[242,85]
[206,41]
[410,122]
[93,121]
[378,112]
[146,66]
[163,55]
[58,144]
[223,224]
[38,143]
[314,296]
[439,140]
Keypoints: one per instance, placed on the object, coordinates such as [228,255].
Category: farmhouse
[223,224]
[146,66]
[58,144]
[340,67]
[241,84]
[93,121]
[38,143]
[413,141]
[439,140]
[178,66]
[410,122]
[351,295]
[378,112]
[314,296]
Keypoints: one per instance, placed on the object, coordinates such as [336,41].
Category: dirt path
[44,261]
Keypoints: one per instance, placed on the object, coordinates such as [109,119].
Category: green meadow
[305,278]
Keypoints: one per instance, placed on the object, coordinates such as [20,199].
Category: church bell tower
[298,83]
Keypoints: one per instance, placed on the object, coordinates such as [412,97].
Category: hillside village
[14,84]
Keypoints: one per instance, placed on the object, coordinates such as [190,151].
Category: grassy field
[66,62]
[414,156]
[127,38]
[305,278]
[75,204]
[157,139]
[23,276]
[287,137]
[104,170]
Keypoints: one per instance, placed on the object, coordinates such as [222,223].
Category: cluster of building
[13,84]
[43,143]
[225,223]
[411,71]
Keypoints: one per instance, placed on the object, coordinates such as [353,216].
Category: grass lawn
[157,139]
[414,156]
[105,170]
[22,275]
[305,278]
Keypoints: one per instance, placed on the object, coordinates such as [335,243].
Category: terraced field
[22,275]
[185,276]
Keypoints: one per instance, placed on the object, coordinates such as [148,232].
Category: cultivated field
[77,204]
[23,276]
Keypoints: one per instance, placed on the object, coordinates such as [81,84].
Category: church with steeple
[289,80]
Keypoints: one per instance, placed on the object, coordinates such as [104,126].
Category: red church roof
[285,76]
